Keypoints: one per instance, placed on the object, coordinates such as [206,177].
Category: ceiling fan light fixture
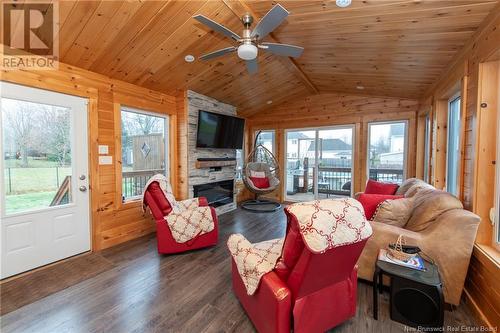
[343,3]
[247,51]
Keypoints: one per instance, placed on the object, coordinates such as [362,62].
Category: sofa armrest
[449,241]
[270,306]
[383,234]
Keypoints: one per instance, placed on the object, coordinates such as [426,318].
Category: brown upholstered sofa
[438,224]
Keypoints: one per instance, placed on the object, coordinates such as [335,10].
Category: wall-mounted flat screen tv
[217,130]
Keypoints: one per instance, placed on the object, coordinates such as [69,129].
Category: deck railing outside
[387,175]
[334,180]
[133,182]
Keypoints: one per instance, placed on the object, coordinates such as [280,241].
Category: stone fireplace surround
[199,176]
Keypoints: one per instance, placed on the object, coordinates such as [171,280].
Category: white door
[44,201]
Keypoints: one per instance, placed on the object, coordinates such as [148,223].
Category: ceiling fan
[251,41]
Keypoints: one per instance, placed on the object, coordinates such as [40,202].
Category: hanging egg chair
[261,176]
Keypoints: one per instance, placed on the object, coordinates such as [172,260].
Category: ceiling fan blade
[283,49]
[217,27]
[270,21]
[218,53]
[252,66]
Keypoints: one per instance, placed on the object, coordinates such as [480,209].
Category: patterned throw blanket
[187,220]
[324,224]
[254,260]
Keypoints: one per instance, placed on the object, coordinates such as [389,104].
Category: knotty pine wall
[469,75]
[112,221]
[336,109]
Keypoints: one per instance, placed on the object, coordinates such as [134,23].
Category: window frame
[166,134]
[405,154]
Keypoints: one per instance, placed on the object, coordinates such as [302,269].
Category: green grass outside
[32,187]
[32,163]
[30,201]
[39,176]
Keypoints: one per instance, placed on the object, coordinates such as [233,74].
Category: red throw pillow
[370,202]
[375,187]
[260,182]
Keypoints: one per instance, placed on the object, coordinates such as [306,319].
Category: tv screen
[219,131]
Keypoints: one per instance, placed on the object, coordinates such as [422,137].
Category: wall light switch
[105,160]
[103,150]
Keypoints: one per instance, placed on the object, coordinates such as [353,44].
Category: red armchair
[160,207]
[311,292]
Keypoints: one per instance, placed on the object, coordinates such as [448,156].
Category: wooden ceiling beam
[239,8]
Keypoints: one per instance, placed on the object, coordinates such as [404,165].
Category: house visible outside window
[387,151]
[266,138]
[144,149]
[427,147]
[453,146]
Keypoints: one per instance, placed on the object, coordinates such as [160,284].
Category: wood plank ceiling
[391,48]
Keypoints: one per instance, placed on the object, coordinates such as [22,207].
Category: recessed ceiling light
[343,3]
[269,102]
[360,87]
[189,58]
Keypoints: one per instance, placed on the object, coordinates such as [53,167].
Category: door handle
[83,188]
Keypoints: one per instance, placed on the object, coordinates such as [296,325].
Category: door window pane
[143,150]
[387,151]
[453,146]
[37,155]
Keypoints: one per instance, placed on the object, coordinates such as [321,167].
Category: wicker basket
[397,252]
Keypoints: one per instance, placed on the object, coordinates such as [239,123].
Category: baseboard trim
[476,310]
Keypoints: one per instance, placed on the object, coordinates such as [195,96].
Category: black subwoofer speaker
[415,304]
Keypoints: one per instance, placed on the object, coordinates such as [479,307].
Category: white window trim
[166,133]
[450,100]
[405,155]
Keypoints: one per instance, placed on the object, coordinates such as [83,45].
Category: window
[496,214]
[240,160]
[427,147]
[144,149]
[387,151]
[266,138]
[453,146]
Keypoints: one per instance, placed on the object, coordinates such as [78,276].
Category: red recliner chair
[306,291]
[160,207]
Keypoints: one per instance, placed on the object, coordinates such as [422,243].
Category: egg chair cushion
[260,182]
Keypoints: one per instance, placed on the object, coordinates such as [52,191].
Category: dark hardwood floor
[130,288]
